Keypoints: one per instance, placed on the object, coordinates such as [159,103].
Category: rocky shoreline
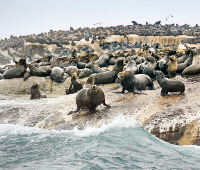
[141,49]
[174,118]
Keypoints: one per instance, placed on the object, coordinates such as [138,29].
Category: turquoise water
[118,145]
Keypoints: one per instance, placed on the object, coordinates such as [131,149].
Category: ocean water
[121,144]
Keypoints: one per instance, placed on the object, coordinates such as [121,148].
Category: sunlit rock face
[162,40]
[19,86]
[31,49]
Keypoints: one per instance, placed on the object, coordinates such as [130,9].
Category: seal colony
[136,67]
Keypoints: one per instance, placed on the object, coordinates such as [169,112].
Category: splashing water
[121,144]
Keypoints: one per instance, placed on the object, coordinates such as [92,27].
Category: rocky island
[82,52]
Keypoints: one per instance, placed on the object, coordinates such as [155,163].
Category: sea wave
[120,121]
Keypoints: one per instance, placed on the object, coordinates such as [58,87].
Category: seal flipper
[135,91]
[71,112]
[104,103]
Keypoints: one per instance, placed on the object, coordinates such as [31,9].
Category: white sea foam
[120,121]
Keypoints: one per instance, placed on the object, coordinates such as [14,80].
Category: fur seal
[57,75]
[182,59]
[172,66]
[112,61]
[131,82]
[103,60]
[169,85]
[192,70]
[74,86]
[139,60]
[162,65]
[71,70]
[39,72]
[16,72]
[147,69]
[108,76]
[86,72]
[131,66]
[96,69]
[90,97]
[187,62]
[81,65]
[36,93]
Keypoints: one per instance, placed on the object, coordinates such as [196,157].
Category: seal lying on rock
[96,69]
[36,93]
[57,75]
[39,72]
[109,76]
[90,97]
[192,70]
[86,72]
[187,62]
[16,72]
[131,82]
[169,85]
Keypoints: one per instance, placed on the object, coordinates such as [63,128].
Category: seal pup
[74,86]
[131,82]
[169,85]
[36,93]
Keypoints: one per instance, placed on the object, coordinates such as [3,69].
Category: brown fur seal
[172,66]
[71,70]
[96,69]
[192,70]
[36,93]
[39,72]
[147,69]
[90,98]
[86,72]
[75,85]
[109,76]
[131,82]
[131,66]
[187,62]
[57,75]
[169,85]
[16,72]
[46,58]
[103,60]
